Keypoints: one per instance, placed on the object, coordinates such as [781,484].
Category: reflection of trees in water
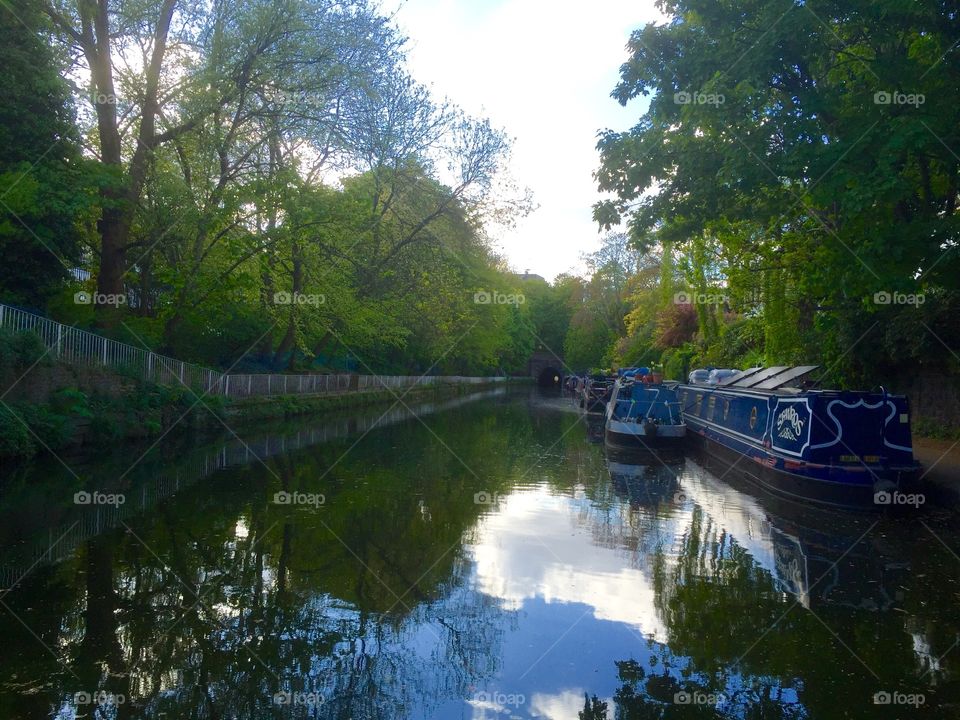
[718,605]
[716,601]
[237,599]
[285,606]
[252,634]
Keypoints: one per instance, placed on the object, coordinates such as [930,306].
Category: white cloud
[544,71]
[531,548]
[562,706]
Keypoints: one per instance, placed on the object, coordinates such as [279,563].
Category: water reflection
[540,548]
[482,561]
[645,477]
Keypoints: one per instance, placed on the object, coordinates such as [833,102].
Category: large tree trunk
[119,201]
[289,342]
[112,225]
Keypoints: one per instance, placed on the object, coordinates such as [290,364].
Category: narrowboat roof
[770,379]
[705,387]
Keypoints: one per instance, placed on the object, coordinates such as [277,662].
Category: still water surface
[478,558]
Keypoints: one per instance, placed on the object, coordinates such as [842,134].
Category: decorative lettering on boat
[789,424]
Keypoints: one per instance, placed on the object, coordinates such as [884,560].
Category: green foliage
[21,349]
[15,438]
[677,362]
[48,427]
[294,200]
[795,178]
[45,184]
[936,429]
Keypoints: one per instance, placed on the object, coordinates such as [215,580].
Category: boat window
[710,406]
[699,403]
[753,417]
[726,409]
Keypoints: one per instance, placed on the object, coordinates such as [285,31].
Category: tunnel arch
[550,377]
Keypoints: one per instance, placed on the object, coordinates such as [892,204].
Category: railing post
[226,386]
[59,337]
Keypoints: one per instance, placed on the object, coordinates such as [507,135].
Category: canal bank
[941,463]
[64,389]
[286,406]
[75,408]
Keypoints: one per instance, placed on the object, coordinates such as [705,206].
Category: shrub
[50,428]
[21,349]
[15,439]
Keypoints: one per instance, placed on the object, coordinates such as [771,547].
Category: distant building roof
[530,276]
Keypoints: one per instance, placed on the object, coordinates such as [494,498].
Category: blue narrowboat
[848,448]
[643,414]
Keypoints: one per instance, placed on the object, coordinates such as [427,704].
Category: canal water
[481,557]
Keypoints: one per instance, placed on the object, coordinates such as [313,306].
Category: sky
[542,70]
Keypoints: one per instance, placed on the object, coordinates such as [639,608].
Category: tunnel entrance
[550,377]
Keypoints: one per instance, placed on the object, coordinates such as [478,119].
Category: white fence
[81,347]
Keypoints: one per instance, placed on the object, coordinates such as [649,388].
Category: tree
[598,320]
[201,65]
[811,142]
[45,187]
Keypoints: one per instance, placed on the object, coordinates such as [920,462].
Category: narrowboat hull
[769,474]
[829,448]
[635,435]
[643,415]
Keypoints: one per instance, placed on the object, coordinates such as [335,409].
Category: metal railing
[81,347]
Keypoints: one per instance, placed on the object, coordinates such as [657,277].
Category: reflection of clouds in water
[531,548]
[562,706]
[559,706]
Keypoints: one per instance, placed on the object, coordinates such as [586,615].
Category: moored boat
[847,448]
[595,393]
[642,413]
